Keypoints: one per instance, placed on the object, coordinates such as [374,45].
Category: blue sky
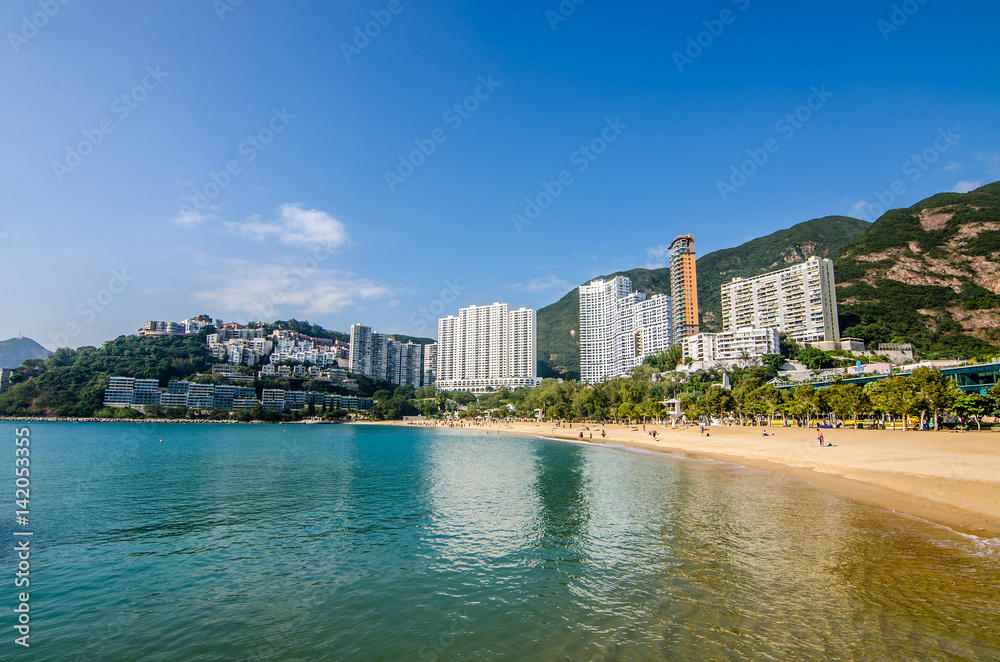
[559,142]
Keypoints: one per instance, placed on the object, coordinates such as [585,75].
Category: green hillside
[558,323]
[826,237]
[928,274]
[73,380]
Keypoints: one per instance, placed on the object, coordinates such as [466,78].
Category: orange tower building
[684,287]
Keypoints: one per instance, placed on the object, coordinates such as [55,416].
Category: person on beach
[603,434]
[819,435]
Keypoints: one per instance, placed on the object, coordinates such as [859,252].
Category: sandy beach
[950,478]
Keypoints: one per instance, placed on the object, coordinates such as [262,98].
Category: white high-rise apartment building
[597,318]
[360,356]
[485,348]
[378,356]
[619,328]
[705,350]
[411,364]
[800,301]
[430,363]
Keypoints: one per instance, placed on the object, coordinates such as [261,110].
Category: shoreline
[54,419]
[950,479]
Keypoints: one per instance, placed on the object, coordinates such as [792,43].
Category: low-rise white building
[742,346]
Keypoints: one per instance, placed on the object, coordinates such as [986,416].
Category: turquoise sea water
[255,542]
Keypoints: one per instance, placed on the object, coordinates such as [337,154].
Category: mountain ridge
[15,351]
[927,274]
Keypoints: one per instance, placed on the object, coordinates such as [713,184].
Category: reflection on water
[561,488]
[335,542]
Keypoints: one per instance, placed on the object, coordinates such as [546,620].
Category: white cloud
[544,283]
[966,186]
[657,257]
[189,218]
[262,290]
[294,226]
[992,163]
[953,165]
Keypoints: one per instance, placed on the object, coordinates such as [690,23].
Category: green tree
[815,359]
[804,402]
[772,363]
[744,404]
[788,347]
[974,406]
[666,361]
[936,392]
[768,401]
[847,401]
[895,396]
[716,402]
